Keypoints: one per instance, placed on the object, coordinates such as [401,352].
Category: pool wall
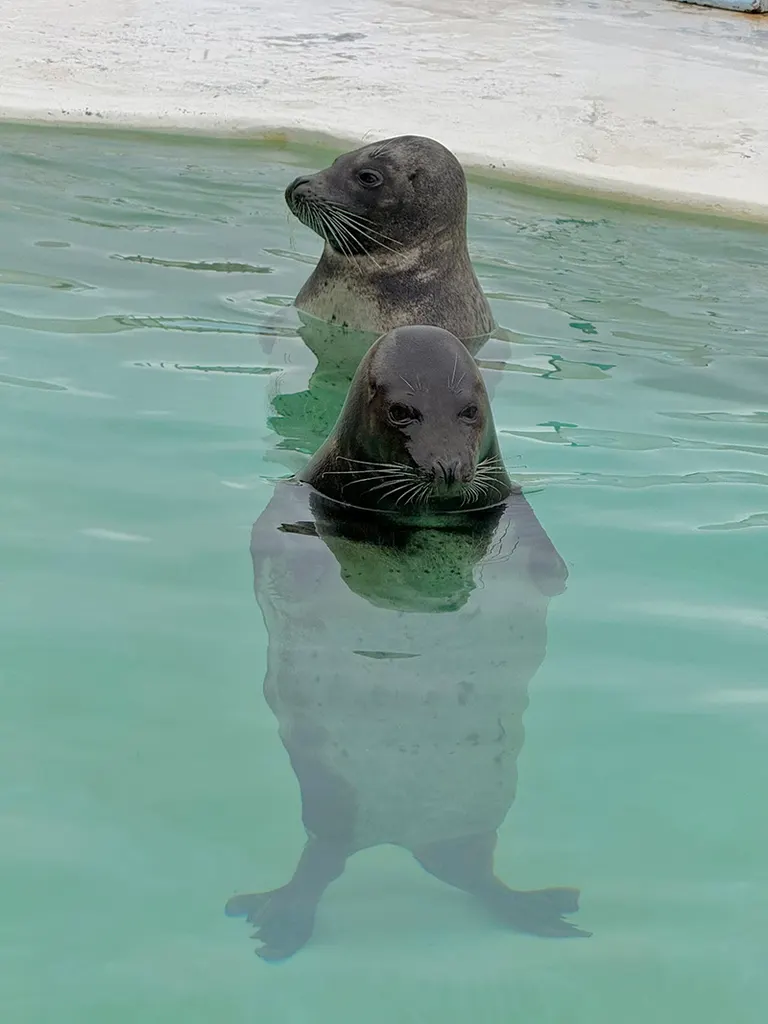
[654,101]
[751,6]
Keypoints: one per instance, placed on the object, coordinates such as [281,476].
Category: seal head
[416,433]
[393,218]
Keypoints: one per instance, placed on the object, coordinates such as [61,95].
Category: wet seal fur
[404,582]
[393,216]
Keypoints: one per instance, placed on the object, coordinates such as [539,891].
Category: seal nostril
[297,188]
[446,472]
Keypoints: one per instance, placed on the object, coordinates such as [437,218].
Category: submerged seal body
[393,218]
[404,582]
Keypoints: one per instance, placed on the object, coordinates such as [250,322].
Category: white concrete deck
[644,98]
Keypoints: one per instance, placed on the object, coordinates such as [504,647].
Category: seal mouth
[449,476]
[400,487]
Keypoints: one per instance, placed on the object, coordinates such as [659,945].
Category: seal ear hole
[401,415]
[413,175]
[469,413]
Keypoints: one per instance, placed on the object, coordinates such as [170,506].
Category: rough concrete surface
[643,98]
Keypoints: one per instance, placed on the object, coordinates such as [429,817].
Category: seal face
[393,218]
[416,434]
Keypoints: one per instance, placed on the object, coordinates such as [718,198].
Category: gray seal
[404,582]
[393,216]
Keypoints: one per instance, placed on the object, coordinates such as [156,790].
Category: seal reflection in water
[404,583]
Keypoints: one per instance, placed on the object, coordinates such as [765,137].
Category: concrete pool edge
[478,168]
[648,103]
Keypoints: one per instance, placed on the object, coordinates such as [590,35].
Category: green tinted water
[143,778]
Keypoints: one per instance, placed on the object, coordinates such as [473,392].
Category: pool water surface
[146,338]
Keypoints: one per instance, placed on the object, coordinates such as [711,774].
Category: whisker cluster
[484,484]
[453,384]
[350,233]
[406,486]
[394,479]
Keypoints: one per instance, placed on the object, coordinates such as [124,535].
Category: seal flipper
[548,570]
[284,918]
[467,864]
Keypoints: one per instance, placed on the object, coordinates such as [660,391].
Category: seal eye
[369,178]
[400,415]
[469,413]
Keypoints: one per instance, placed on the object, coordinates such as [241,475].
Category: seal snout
[448,474]
[297,190]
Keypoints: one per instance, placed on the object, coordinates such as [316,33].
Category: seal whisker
[358,472]
[410,494]
[352,235]
[453,374]
[312,219]
[425,492]
[332,234]
[342,242]
[404,494]
[415,487]
[457,385]
[387,483]
[417,493]
[486,478]
[358,232]
[369,480]
[370,468]
[393,490]
[364,462]
[362,222]
[486,486]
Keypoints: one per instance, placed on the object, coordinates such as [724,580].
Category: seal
[404,581]
[393,216]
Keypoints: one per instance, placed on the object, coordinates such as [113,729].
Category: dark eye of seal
[469,413]
[401,415]
[370,178]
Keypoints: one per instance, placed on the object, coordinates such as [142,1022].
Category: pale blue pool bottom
[144,778]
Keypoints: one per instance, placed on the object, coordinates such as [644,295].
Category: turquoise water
[142,286]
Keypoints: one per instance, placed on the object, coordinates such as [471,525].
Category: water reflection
[398,671]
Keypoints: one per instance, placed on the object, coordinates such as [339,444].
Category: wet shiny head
[383,197]
[416,434]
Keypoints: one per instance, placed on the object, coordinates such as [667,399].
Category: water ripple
[220,268]
[757,520]
[641,482]
[32,280]
[259,371]
[581,437]
[27,382]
